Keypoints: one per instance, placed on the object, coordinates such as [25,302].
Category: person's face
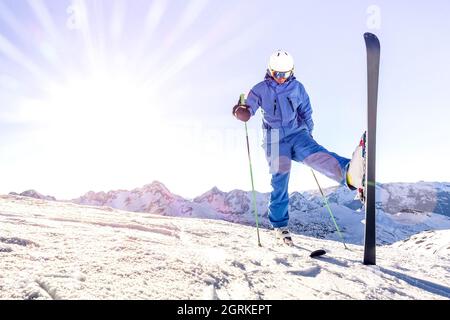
[280,80]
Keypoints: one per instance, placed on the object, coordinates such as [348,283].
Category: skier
[288,127]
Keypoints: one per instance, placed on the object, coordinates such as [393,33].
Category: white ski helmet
[281,61]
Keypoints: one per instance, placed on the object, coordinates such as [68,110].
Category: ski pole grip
[242,100]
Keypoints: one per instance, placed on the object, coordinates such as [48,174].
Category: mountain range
[403,209]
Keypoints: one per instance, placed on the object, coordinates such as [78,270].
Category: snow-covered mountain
[399,197]
[154,197]
[308,215]
[61,250]
[422,196]
[393,198]
[33,194]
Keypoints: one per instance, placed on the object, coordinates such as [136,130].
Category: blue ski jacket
[285,107]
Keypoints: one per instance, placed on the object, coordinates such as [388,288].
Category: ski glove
[242,112]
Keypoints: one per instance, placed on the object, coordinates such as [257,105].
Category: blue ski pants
[300,147]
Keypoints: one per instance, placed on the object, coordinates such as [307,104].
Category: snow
[61,250]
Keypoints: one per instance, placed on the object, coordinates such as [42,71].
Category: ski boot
[356,174]
[283,235]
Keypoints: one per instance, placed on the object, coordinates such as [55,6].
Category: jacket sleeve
[305,110]
[253,101]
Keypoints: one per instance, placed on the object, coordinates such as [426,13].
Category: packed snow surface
[58,250]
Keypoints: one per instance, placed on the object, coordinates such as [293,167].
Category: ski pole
[329,209]
[242,102]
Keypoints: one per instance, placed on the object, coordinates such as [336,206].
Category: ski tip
[317,253]
[370,38]
[370,35]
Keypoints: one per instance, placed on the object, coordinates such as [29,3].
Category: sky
[103,95]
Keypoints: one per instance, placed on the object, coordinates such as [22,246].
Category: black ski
[317,253]
[373,70]
[312,254]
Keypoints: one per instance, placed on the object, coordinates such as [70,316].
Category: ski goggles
[280,74]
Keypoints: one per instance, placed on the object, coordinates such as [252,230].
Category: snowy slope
[56,250]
